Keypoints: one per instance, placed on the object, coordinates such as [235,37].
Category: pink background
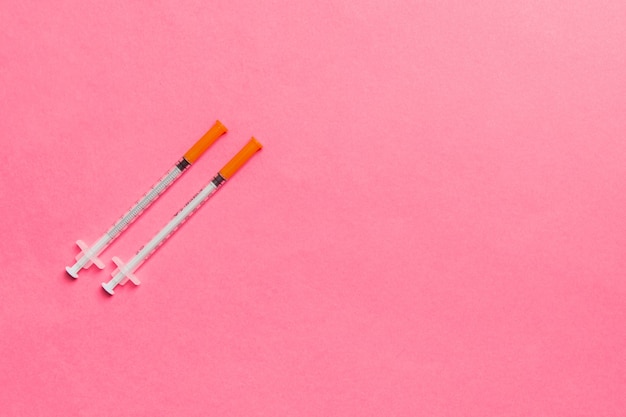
[434,227]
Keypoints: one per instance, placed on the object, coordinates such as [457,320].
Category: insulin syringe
[125,271]
[89,255]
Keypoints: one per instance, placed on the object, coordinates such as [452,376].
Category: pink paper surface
[435,225]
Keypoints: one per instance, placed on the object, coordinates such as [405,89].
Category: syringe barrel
[174,223]
[147,199]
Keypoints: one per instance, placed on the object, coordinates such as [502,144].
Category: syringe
[89,255]
[125,272]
